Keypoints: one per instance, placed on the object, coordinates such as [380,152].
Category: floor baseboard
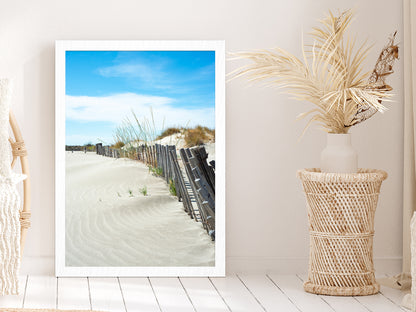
[37,266]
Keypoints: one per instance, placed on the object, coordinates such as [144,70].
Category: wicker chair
[19,152]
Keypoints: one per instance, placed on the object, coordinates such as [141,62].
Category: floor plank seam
[397,305]
[281,290]
[89,292]
[322,298]
[154,294]
[24,294]
[186,292]
[122,294]
[367,308]
[24,299]
[251,293]
[215,287]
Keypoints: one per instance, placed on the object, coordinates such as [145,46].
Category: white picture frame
[62,47]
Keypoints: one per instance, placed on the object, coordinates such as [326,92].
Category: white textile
[9,203]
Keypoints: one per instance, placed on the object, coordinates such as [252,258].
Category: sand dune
[178,140]
[108,226]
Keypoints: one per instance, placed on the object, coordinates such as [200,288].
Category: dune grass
[135,131]
[118,145]
[143,190]
[168,132]
[198,136]
[156,171]
[172,188]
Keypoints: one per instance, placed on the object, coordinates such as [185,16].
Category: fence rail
[193,177]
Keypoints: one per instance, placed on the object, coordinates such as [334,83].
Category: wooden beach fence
[99,148]
[199,173]
[107,151]
[193,178]
[146,154]
[195,183]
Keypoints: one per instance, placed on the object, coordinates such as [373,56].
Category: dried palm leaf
[330,75]
[377,79]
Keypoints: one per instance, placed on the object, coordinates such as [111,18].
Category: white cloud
[156,75]
[132,70]
[115,108]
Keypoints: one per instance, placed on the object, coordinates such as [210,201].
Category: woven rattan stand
[341,209]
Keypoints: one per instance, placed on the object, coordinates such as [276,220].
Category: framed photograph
[140,158]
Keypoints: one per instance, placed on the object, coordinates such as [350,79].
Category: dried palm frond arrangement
[331,74]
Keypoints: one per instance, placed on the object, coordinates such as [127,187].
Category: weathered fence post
[99,147]
[154,156]
[167,164]
[206,191]
[201,155]
[173,176]
[157,148]
[163,154]
[202,180]
[180,186]
[191,178]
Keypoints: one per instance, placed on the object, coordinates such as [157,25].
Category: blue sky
[103,87]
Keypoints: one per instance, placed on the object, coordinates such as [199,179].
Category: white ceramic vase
[339,156]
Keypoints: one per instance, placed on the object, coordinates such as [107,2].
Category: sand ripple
[106,226]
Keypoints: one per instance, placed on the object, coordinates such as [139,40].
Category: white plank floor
[242,292]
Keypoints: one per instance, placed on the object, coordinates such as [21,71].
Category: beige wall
[266,217]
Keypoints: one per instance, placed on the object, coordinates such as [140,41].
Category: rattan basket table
[341,209]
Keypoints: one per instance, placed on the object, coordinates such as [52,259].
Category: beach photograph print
[140,158]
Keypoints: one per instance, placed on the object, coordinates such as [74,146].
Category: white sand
[106,226]
[177,139]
